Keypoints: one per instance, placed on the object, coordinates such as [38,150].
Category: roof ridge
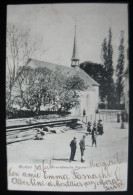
[50,63]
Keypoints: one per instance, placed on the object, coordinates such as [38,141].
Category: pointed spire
[75,58]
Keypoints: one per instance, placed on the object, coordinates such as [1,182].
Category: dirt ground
[113,142]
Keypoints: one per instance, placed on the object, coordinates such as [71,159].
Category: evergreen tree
[120,69]
[109,64]
[104,53]
[98,73]
[107,58]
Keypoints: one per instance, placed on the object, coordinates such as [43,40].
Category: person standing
[84,112]
[82,147]
[100,127]
[73,146]
[94,138]
[118,117]
[89,127]
[94,126]
[123,120]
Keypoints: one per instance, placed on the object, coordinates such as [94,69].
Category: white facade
[89,98]
[89,101]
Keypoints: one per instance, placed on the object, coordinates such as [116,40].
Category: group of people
[98,128]
[73,146]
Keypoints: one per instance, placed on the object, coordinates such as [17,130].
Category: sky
[55,24]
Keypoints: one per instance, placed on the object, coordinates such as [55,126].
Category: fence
[104,115]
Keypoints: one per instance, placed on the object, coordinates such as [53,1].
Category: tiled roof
[70,71]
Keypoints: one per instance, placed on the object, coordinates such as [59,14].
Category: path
[56,146]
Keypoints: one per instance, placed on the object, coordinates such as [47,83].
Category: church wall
[89,101]
[97,96]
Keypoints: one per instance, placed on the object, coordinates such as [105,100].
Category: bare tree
[19,49]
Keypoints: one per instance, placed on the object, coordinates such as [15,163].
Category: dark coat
[73,144]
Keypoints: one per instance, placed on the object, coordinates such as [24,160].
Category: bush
[27,114]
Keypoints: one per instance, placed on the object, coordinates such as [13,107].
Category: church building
[88,98]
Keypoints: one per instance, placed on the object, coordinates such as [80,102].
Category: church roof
[67,71]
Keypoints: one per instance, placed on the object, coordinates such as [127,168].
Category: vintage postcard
[67,86]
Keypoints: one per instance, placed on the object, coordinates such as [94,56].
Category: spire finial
[75,58]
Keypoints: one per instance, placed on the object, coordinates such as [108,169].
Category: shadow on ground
[61,159]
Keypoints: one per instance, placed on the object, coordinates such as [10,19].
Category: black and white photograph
[67,97]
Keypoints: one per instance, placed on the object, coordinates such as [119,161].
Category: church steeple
[75,58]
